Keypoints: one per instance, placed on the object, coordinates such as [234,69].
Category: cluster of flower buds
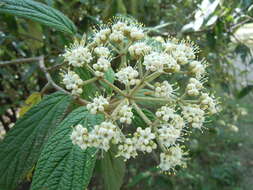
[141,73]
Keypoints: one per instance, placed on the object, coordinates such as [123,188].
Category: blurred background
[222,157]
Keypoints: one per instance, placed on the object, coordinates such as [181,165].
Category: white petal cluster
[139,49]
[197,68]
[155,61]
[98,105]
[128,76]
[117,36]
[136,33]
[168,135]
[77,56]
[159,61]
[194,116]
[101,66]
[73,82]
[207,102]
[143,139]
[164,89]
[102,51]
[80,136]
[127,149]
[100,137]
[165,113]
[172,158]
[125,114]
[102,36]
[193,87]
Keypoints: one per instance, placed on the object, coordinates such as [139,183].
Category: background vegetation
[222,157]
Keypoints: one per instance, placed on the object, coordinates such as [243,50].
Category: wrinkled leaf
[62,165]
[22,145]
[38,12]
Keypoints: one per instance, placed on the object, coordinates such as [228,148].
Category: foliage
[211,165]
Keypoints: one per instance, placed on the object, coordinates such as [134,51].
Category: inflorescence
[166,74]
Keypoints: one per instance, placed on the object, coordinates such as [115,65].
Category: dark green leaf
[113,170]
[110,76]
[138,121]
[245,91]
[62,165]
[22,146]
[38,12]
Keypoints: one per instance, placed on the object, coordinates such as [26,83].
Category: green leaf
[38,12]
[245,91]
[110,76]
[62,165]
[22,146]
[113,170]
[138,121]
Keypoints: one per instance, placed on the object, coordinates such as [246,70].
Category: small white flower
[77,55]
[168,135]
[143,139]
[165,113]
[164,89]
[119,26]
[194,116]
[103,134]
[139,49]
[102,36]
[101,66]
[193,87]
[98,105]
[127,149]
[156,61]
[197,68]
[172,158]
[117,36]
[73,82]
[128,76]
[102,51]
[208,102]
[80,136]
[136,33]
[125,114]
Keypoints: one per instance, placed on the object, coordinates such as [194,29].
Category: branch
[19,61]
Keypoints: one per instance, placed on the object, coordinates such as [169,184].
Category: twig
[48,76]
[19,61]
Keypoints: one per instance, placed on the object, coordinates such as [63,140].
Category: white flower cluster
[197,68]
[143,139]
[194,87]
[102,51]
[139,49]
[145,71]
[77,56]
[128,76]
[100,137]
[164,89]
[171,159]
[101,66]
[168,135]
[98,105]
[73,82]
[208,102]
[125,114]
[194,115]
[165,113]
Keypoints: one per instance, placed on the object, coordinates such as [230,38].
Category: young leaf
[38,12]
[62,165]
[113,170]
[21,148]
